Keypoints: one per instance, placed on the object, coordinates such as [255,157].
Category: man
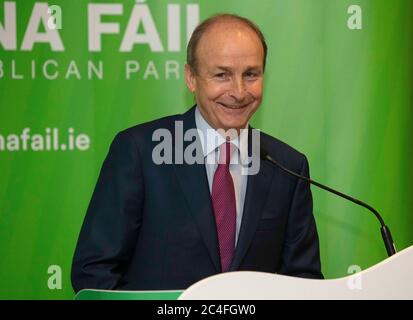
[167,226]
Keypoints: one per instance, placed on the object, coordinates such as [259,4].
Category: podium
[389,279]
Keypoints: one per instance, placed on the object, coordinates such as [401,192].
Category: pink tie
[223,201]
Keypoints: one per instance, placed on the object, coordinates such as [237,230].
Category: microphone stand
[385,231]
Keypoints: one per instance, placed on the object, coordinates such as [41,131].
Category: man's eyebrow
[228,69]
[249,68]
[223,68]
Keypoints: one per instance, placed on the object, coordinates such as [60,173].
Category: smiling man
[225,71]
[151,226]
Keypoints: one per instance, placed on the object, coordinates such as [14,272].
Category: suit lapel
[194,183]
[256,195]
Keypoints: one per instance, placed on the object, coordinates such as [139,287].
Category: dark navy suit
[152,226]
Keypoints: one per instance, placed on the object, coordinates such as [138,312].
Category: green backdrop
[341,96]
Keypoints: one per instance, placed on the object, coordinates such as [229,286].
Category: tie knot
[225,151]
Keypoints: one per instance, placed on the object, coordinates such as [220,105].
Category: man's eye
[221,75]
[251,75]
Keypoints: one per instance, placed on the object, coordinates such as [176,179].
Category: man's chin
[233,125]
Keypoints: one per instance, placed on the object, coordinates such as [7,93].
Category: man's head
[225,68]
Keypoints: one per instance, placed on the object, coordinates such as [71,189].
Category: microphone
[385,231]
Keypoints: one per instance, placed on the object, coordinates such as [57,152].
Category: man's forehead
[232,54]
[230,42]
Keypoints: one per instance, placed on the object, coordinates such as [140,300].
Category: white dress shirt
[211,140]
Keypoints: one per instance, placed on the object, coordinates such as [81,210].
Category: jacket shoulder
[167,122]
[282,152]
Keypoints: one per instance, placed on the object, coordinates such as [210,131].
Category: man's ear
[190,78]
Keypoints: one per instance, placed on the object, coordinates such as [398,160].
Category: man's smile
[234,106]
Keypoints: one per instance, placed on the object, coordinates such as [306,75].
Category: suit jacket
[152,227]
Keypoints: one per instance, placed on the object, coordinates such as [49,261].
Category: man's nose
[238,89]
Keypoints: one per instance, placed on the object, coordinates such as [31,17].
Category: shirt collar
[211,139]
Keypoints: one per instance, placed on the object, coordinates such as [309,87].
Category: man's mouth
[234,106]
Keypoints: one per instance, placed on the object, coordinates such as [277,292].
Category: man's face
[228,80]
